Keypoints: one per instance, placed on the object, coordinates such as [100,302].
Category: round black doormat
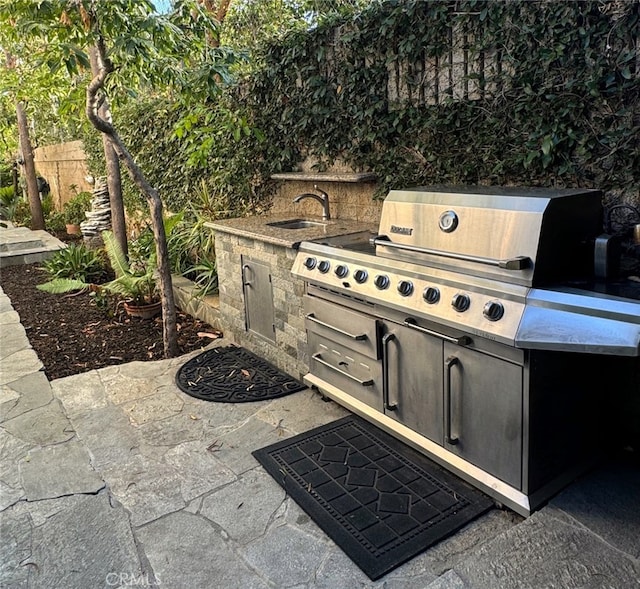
[234,375]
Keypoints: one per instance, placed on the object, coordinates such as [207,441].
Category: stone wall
[348,200]
[63,166]
[289,351]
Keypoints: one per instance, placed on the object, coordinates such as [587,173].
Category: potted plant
[74,211]
[135,281]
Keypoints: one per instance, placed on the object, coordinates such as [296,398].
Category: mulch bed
[71,335]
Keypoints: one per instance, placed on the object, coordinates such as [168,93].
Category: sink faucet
[323,199]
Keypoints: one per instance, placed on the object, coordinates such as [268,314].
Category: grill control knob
[310,263]
[381,281]
[324,266]
[360,276]
[405,288]
[493,310]
[460,302]
[341,271]
[431,294]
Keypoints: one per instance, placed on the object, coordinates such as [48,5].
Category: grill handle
[463,340]
[517,263]
[386,338]
[365,383]
[359,337]
[448,364]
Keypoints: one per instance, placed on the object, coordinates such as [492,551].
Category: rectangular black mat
[375,497]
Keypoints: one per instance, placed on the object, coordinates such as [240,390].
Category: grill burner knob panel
[324,266]
[431,295]
[381,281]
[405,288]
[341,271]
[360,276]
[493,310]
[310,263]
[460,302]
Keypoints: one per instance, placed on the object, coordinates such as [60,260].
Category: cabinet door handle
[359,337]
[463,340]
[386,338]
[448,364]
[245,269]
[364,383]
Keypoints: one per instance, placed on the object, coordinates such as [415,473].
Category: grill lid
[526,236]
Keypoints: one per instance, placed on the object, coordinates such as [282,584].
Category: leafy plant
[74,210]
[135,284]
[76,262]
[206,277]
[55,221]
[22,213]
[8,203]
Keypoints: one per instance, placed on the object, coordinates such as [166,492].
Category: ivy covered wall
[541,93]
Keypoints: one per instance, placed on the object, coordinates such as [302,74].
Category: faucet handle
[322,192]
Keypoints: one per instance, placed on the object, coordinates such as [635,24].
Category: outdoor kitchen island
[260,299]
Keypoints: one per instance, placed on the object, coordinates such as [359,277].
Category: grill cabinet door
[483,411]
[414,380]
[258,299]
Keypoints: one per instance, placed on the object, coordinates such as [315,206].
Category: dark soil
[71,334]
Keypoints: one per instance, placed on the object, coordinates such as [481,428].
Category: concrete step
[21,245]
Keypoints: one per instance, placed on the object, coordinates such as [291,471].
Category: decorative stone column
[99,217]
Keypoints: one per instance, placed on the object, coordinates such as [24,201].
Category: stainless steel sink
[296,224]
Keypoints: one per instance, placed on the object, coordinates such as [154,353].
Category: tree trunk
[37,218]
[114,185]
[169,331]
[14,178]
[114,180]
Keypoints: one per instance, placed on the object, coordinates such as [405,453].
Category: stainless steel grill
[467,327]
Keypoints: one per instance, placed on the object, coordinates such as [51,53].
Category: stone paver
[115,478]
[545,548]
[178,561]
[28,392]
[18,364]
[87,545]
[245,508]
[55,471]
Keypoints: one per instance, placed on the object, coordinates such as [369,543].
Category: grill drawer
[354,330]
[353,373]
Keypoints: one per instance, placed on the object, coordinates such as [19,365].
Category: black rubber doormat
[234,375]
[379,500]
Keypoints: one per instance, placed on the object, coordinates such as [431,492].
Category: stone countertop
[258,228]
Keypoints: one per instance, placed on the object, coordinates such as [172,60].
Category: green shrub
[8,203]
[55,221]
[22,214]
[74,210]
[76,262]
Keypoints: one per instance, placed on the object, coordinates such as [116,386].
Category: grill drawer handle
[463,340]
[360,337]
[517,263]
[386,338]
[364,383]
[448,364]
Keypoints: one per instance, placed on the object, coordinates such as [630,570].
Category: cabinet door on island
[258,299]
